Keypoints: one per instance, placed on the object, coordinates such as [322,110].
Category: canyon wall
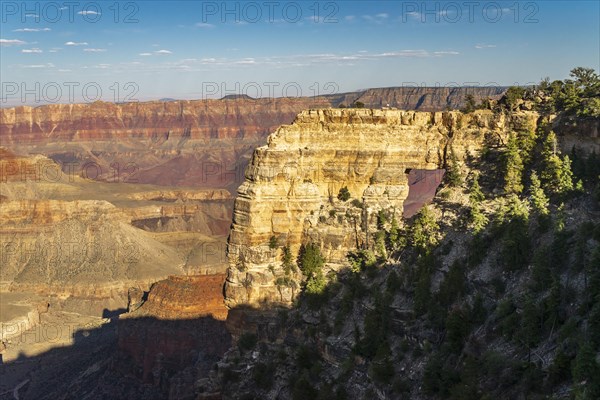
[292,183]
[184,143]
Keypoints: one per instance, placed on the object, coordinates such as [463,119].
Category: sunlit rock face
[292,183]
[198,143]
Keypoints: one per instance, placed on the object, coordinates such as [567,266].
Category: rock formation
[84,243]
[199,143]
[179,328]
[292,184]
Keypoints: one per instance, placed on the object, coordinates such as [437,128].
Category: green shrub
[273,242]
[344,194]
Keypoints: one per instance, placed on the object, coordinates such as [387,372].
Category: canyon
[162,223]
[184,143]
[187,306]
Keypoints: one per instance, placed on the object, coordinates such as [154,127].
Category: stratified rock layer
[292,183]
[199,143]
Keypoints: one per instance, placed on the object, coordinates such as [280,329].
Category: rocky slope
[292,184]
[442,310]
[83,243]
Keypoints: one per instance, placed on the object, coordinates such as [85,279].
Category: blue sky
[196,49]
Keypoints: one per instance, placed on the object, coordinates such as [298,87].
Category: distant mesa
[167,99]
[237,97]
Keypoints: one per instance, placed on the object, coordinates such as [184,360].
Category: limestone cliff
[292,183]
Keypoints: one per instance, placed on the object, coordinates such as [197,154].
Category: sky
[70,51]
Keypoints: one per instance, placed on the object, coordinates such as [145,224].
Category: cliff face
[292,184]
[420,98]
[199,143]
[176,335]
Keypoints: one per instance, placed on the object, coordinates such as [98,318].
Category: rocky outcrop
[185,297]
[176,335]
[292,183]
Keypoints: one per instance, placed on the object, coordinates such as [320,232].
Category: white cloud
[85,12]
[246,61]
[31,16]
[485,46]
[349,18]
[94,50]
[204,25]
[64,70]
[48,65]
[76,43]
[54,50]
[32,30]
[34,50]
[377,19]
[11,42]
[162,52]
[444,53]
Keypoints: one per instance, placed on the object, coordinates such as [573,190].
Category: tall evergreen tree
[557,176]
[513,167]
[539,200]
[478,219]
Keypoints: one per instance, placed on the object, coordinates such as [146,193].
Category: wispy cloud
[485,46]
[47,65]
[377,19]
[204,25]
[34,50]
[11,42]
[76,43]
[208,63]
[89,50]
[89,13]
[32,30]
[162,52]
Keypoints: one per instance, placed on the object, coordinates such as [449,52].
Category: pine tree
[424,231]
[527,141]
[394,230]
[475,194]
[513,167]
[454,175]
[539,200]
[557,175]
[530,325]
[478,219]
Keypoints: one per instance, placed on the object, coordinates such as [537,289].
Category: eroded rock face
[176,335]
[292,183]
[198,143]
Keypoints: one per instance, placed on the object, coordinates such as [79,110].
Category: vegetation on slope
[493,291]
